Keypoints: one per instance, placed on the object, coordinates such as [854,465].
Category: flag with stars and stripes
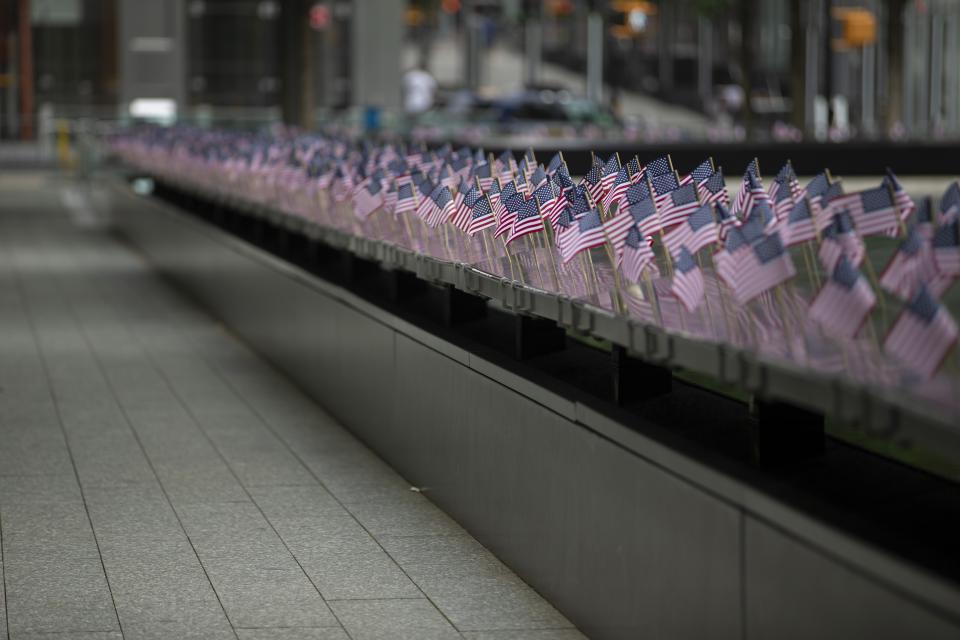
[800,225]
[593,180]
[911,266]
[923,334]
[700,174]
[660,166]
[751,192]
[946,256]
[901,198]
[617,189]
[699,230]
[481,215]
[463,206]
[442,207]
[873,210]
[611,171]
[663,185]
[764,265]
[528,220]
[682,202]
[687,285]
[638,256]
[511,204]
[368,199]
[635,169]
[484,174]
[617,228]
[556,163]
[645,215]
[714,189]
[637,192]
[950,202]
[585,234]
[844,303]
[406,200]
[841,240]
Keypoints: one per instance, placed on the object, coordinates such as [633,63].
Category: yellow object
[64,149]
[859,26]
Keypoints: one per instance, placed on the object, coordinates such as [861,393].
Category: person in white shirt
[419,88]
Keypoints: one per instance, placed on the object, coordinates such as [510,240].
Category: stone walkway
[159,480]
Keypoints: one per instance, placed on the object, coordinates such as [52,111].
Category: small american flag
[390,198]
[817,187]
[528,220]
[663,185]
[687,284]
[925,220]
[946,248]
[843,304]
[645,215]
[840,240]
[481,217]
[700,174]
[714,189]
[923,334]
[637,256]
[511,206]
[424,202]
[442,207]
[586,234]
[635,169]
[763,267]
[751,192]
[725,219]
[556,162]
[637,192]
[618,188]
[463,206]
[617,228]
[904,202]
[910,267]
[781,181]
[781,200]
[659,167]
[697,231]
[484,174]
[950,202]
[611,170]
[800,226]
[405,198]
[872,210]
[538,177]
[681,203]
[593,180]
[369,199]
[748,185]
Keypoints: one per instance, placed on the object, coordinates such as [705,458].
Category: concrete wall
[628,540]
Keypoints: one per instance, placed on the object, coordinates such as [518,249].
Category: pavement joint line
[29,312]
[96,357]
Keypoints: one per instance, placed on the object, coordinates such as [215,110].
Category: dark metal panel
[362,379]
[794,591]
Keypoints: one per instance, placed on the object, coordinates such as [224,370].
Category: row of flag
[650,223]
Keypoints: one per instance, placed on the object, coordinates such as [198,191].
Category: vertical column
[152,51]
[473,36]
[936,70]
[533,42]
[595,56]
[376,48]
[704,58]
[26,71]
[952,89]
[294,23]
